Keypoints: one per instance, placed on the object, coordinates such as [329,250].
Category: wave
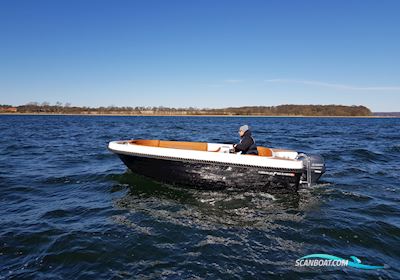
[368,155]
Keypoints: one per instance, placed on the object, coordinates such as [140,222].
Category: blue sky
[201,53]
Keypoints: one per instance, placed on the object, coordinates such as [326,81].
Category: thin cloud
[333,85]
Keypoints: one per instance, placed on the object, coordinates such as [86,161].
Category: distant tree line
[281,110]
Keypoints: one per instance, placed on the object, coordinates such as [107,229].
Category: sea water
[69,209]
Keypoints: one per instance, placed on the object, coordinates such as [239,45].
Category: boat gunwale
[194,146]
[269,168]
[191,159]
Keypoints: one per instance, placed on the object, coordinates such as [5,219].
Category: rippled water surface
[69,209]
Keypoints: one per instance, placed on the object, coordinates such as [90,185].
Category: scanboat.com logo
[329,260]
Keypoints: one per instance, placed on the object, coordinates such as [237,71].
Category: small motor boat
[215,166]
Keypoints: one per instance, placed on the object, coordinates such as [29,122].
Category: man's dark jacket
[247,144]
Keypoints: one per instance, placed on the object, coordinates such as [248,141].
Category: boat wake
[208,209]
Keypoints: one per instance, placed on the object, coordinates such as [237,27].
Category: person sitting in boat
[247,143]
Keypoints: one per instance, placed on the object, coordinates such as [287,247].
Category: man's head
[243,129]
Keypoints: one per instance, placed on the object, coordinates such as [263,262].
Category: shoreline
[178,115]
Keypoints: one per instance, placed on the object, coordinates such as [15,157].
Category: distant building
[8,109]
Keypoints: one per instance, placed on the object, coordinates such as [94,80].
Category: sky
[201,53]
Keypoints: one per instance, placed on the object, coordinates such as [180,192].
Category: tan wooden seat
[264,152]
[197,146]
[151,143]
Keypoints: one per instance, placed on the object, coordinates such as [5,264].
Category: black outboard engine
[313,168]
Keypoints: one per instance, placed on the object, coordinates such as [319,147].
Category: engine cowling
[313,168]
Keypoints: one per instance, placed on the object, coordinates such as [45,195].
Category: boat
[215,166]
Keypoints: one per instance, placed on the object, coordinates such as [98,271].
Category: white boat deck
[214,152]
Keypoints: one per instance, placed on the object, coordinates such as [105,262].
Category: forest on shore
[281,110]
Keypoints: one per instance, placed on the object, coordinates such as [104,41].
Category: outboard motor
[313,168]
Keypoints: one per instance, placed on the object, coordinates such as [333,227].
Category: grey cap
[244,128]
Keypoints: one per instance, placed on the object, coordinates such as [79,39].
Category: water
[70,210]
